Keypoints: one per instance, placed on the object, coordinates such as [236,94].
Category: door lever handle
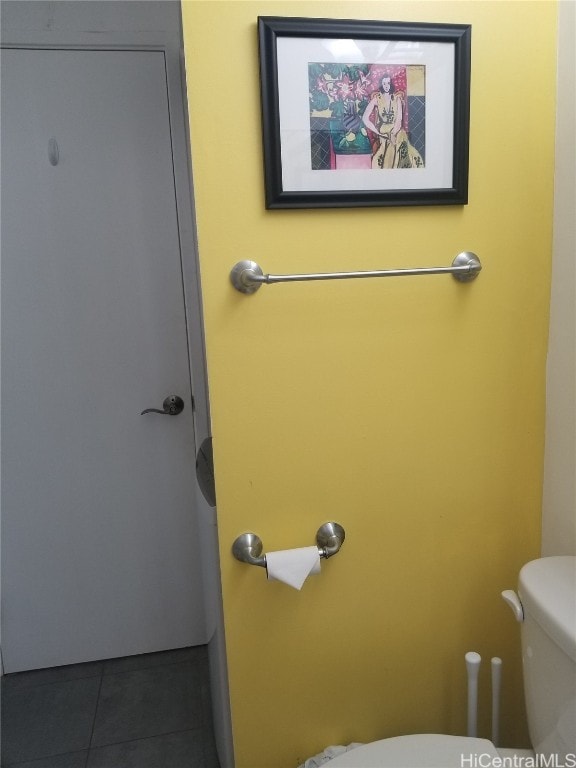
[172,406]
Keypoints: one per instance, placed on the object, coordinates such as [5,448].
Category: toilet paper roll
[293,566]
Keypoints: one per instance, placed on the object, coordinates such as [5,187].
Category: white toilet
[547,610]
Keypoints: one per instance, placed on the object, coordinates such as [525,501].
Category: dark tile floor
[149,711]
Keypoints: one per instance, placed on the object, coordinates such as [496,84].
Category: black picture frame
[307,64]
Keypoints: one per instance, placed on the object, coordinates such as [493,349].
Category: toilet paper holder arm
[248,546]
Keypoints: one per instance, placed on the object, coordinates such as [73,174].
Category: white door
[99,536]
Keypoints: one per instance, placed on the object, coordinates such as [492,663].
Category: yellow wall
[409,410]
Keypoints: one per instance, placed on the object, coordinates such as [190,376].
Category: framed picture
[364,113]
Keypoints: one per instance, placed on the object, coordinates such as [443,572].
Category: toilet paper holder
[248,546]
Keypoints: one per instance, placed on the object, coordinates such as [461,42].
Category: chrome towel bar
[247,276]
[248,546]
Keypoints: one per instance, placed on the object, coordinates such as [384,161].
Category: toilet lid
[429,750]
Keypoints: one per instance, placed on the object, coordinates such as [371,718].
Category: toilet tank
[547,590]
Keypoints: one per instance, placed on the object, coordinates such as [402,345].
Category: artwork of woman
[367,116]
[384,117]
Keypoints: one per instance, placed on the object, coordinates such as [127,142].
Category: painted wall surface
[410,410]
[559,501]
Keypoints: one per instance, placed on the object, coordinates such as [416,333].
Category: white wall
[559,500]
[90,15]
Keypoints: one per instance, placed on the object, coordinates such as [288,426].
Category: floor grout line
[94,718]
[144,738]
[152,666]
